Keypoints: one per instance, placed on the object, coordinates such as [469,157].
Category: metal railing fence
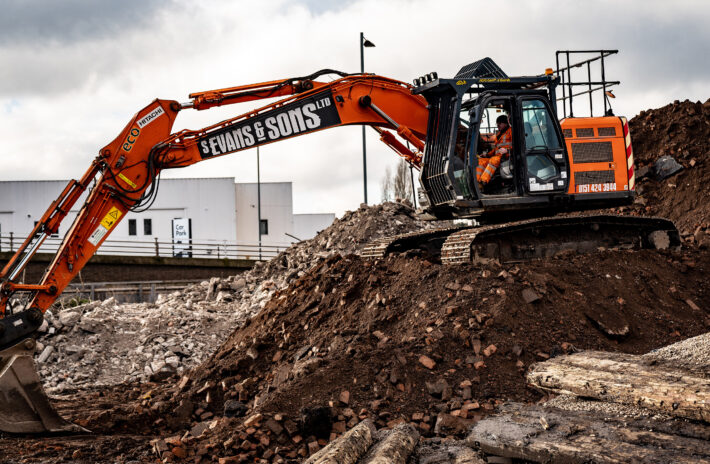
[124,292]
[213,249]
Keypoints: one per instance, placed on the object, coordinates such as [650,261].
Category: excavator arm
[126,171]
[125,177]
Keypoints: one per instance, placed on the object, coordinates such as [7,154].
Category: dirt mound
[249,292]
[681,130]
[403,339]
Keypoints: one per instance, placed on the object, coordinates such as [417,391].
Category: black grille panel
[585,132]
[592,152]
[567,133]
[593,177]
[481,68]
[607,131]
[436,181]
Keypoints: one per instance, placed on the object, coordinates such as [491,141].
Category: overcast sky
[74,72]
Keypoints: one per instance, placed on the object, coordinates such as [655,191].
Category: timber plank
[551,435]
[626,379]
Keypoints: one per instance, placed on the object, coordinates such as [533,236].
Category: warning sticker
[110,219]
[98,234]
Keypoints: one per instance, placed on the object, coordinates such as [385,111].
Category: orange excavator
[580,164]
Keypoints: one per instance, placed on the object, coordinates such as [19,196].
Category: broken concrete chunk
[395,447]
[69,318]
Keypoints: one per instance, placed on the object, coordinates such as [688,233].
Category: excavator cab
[463,111]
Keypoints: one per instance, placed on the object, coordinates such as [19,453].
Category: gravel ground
[573,403]
[692,354]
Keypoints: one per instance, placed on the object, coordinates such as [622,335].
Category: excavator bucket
[24,406]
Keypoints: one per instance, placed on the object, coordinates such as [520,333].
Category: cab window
[539,128]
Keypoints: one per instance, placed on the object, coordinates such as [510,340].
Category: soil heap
[407,340]
[681,130]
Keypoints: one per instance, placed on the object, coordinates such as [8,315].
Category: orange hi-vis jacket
[487,166]
[503,140]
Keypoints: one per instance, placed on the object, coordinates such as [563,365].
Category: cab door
[546,166]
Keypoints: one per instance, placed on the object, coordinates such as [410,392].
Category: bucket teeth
[24,406]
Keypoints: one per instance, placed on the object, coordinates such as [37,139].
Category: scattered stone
[530,296]
[46,353]
[490,350]
[427,362]
[447,424]
[253,420]
[234,408]
[439,389]
[198,429]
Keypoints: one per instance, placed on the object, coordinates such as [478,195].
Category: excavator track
[534,238]
[428,239]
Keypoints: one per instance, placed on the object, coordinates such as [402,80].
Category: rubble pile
[672,154]
[104,343]
[346,235]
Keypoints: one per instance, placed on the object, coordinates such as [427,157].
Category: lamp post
[258,197]
[364,43]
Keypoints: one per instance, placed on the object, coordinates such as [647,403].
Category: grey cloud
[66,21]
[322,6]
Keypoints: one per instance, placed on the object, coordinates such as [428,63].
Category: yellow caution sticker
[126,180]
[111,218]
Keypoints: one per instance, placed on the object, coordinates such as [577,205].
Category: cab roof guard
[569,84]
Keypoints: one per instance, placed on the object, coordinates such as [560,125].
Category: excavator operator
[488,164]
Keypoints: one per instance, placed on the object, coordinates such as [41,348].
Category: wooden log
[395,447]
[551,435]
[348,448]
[626,379]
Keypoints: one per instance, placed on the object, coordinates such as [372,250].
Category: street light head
[367,43]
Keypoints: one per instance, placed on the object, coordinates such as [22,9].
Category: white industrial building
[214,210]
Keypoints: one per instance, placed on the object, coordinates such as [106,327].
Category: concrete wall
[133,269]
[306,226]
